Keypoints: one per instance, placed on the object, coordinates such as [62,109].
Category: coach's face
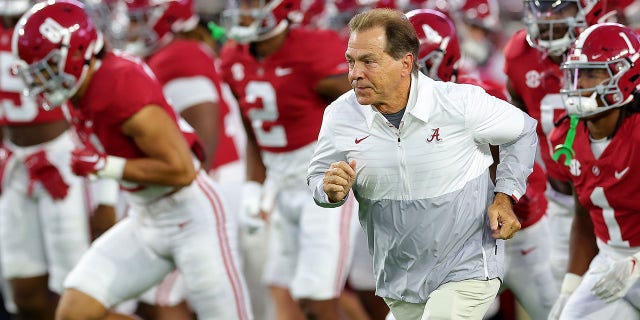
[374,75]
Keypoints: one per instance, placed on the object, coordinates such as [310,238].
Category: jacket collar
[421,86]
[425,95]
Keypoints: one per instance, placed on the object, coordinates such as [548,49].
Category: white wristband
[570,282]
[113,168]
[107,191]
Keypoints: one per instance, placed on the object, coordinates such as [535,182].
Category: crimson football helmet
[150,24]
[481,13]
[55,42]
[439,51]
[553,25]
[257,20]
[14,7]
[609,47]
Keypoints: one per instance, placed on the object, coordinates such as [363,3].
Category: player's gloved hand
[250,208]
[569,284]
[617,278]
[41,170]
[86,162]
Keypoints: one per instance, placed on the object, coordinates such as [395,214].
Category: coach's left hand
[502,220]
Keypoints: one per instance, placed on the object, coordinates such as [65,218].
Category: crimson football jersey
[187,59]
[15,108]
[537,80]
[608,186]
[533,204]
[278,93]
[119,88]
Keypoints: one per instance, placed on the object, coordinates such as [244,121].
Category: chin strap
[217,32]
[566,149]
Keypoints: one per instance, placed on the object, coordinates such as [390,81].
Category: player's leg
[467,299]
[205,251]
[24,263]
[180,311]
[7,297]
[584,305]
[166,300]
[120,265]
[91,308]
[326,242]
[351,306]
[560,215]
[281,263]
[527,257]
[65,222]
[254,248]
[253,244]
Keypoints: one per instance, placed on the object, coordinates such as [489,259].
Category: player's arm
[516,99]
[169,160]
[256,170]
[330,88]
[582,242]
[106,192]
[582,249]
[560,186]
[252,215]
[203,117]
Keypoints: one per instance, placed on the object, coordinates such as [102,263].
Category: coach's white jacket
[424,188]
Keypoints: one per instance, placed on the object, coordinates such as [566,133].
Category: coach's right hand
[338,180]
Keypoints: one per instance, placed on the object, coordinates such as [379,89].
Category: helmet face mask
[587,100]
[257,20]
[140,27]
[138,35]
[552,26]
[601,70]
[430,64]
[235,20]
[45,81]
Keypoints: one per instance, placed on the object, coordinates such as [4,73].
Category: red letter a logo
[435,135]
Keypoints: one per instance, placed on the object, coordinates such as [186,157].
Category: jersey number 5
[27,109]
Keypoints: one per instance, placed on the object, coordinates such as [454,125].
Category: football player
[168,36]
[601,94]
[43,206]
[130,133]
[283,78]
[532,65]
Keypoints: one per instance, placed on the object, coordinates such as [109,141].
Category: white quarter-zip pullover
[424,188]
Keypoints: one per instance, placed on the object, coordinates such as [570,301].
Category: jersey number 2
[275,136]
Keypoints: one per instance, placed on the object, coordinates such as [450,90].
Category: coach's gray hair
[401,37]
